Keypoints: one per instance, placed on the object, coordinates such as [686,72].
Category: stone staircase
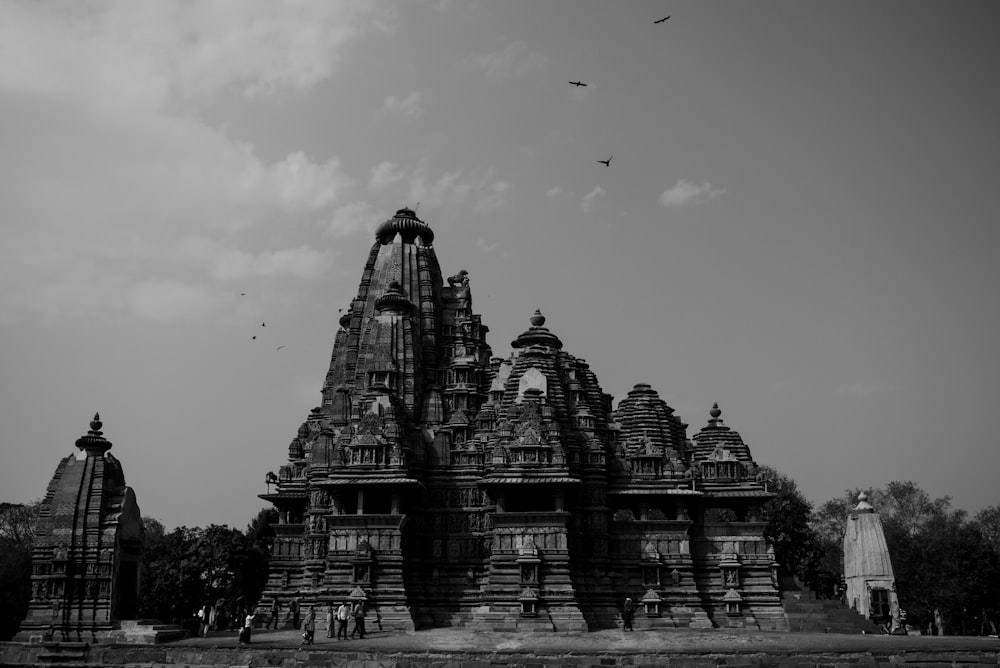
[807,613]
[145,632]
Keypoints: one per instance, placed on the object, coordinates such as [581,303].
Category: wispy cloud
[588,201]
[686,192]
[408,108]
[123,88]
[384,174]
[553,191]
[480,188]
[513,60]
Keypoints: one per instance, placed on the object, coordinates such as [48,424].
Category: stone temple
[87,549]
[447,486]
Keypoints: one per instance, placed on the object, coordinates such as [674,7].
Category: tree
[796,545]
[943,562]
[188,568]
[17,529]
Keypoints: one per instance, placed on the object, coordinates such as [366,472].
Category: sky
[799,221]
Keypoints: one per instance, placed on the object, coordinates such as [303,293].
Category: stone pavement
[458,640]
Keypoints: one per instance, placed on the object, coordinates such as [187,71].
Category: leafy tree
[796,544]
[17,528]
[190,567]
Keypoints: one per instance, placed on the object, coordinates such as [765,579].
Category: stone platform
[455,648]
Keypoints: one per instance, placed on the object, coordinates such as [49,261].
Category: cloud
[687,192]
[513,60]
[355,216]
[408,108]
[587,203]
[553,191]
[115,164]
[480,188]
[488,248]
[384,174]
[863,389]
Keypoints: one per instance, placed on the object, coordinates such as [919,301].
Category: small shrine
[87,551]
[871,584]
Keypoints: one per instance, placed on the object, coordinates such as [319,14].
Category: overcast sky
[799,222]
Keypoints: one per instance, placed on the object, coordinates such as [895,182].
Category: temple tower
[88,546]
[449,487]
[871,584]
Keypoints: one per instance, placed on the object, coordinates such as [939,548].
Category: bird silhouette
[280,347]
[263,324]
[578,83]
[662,20]
[606,163]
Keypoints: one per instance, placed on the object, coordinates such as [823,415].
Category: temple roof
[406,224]
[866,553]
[537,335]
[716,435]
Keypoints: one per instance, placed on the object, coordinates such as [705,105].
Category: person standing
[331,618]
[293,608]
[343,616]
[359,620]
[627,614]
[309,626]
[247,629]
[275,612]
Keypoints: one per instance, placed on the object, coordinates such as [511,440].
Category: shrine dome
[406,224]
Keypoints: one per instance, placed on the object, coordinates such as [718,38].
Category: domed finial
[93,442]
[395,286]
[537,320]
[863,505]
[715,412]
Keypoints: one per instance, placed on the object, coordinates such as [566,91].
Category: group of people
[341,616]
[336,617]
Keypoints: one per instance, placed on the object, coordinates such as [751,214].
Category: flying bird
[280,347]
[243,294]
[578,83]
[662,20]
[606,163]
[263,324]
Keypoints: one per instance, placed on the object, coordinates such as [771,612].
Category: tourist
[343,615]
[309,626]
[330,618]
[204,616]
[293,607]
[627,615]
[275,612]
[359,620]
[247,629]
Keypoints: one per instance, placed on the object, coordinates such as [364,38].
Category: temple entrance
[127,588]
[879,610]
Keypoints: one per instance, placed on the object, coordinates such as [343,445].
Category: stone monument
[871,585]
[88,547]
[451,487]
